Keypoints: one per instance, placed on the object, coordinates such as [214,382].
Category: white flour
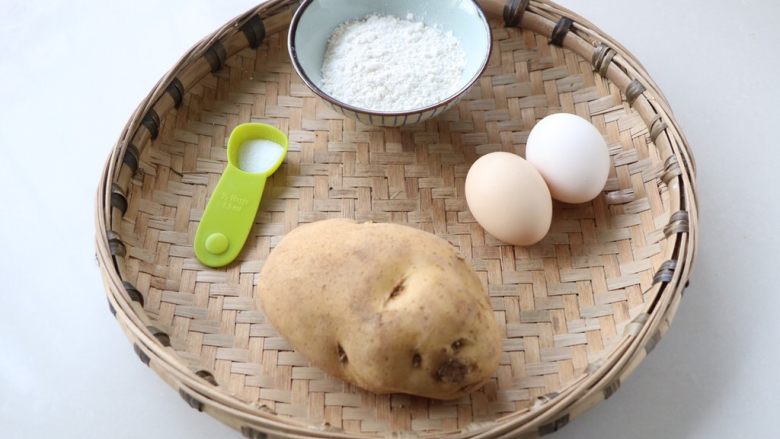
[386,63]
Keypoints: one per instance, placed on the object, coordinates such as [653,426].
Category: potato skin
[387,307]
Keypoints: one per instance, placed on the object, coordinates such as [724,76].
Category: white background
[71,72]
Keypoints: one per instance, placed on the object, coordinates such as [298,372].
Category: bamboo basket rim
[541,17]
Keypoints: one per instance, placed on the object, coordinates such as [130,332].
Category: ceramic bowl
[315,21]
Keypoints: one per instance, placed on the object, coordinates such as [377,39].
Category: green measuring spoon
[232,208]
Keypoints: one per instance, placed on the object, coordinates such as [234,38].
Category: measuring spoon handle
[228,217]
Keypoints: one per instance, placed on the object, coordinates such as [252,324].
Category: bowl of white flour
[389,62]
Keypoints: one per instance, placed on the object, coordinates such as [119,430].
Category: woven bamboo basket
[580,310]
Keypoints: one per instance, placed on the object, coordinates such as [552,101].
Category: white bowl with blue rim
[315,21]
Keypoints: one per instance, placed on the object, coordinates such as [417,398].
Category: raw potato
[384,306]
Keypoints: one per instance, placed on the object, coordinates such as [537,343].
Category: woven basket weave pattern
[580,309]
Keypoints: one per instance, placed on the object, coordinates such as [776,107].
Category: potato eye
[416,360]
[342,354]
[398,289]
[457,344]
[451,371]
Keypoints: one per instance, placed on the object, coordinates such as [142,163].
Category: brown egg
[509,198]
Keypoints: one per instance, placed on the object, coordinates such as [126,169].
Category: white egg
[508,198]
[571,155]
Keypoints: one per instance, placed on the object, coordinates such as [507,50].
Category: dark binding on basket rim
[141,354]
[602,58]
[657,126]
[251,433]
[118,198]
[665,272]
[560,30]
[634,89]
[554,426]
[176,91]
[678,223]
[190,400]
[207,376]
[215,55]
[115,244]
[152,123]
[131,157]
[254,31]
[133,293]
[513,12]
[160,335]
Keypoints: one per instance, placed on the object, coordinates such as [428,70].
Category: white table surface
[71,72]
